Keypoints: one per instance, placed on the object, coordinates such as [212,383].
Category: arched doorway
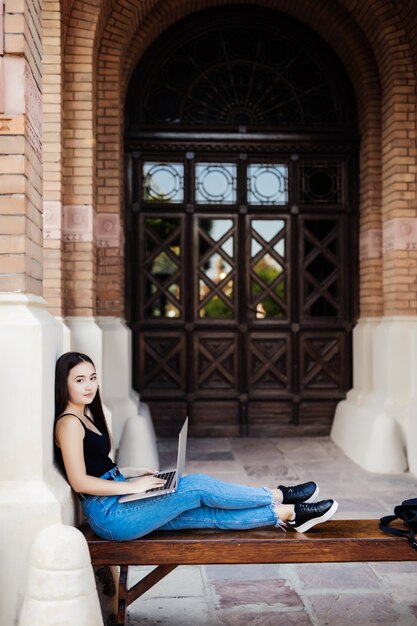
[241,225]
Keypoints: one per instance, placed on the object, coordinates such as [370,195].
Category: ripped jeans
[200,502]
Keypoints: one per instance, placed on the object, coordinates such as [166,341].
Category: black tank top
[96,451]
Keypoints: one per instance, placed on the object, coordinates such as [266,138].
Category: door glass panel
[163,182]
[158,229]
[217,308]
[268,269]
[161,307]
[216,268]
[267,231]
[215,183]
[268,288]
[163,265]
[267,184]
[162,284]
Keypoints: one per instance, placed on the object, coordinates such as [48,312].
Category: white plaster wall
[132,425]
[374,425]
[86,337]
[32,493]
[411,413]
[117,372]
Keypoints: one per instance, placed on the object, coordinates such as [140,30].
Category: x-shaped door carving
[321,267]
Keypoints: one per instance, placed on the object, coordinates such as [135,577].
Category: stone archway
[199,348]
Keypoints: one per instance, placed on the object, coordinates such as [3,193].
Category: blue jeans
[200,502]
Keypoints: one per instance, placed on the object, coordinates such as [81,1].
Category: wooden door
[241,229]
[242,293]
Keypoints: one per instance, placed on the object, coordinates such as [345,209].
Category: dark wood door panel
[323,269]
[162,370]
[269,364]
[315,416]
[168,415]
[216,359]
[269,418]
[211,418]
[323,359]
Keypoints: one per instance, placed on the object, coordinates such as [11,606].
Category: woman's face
[82,384]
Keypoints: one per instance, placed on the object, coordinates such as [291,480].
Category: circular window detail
[321,184]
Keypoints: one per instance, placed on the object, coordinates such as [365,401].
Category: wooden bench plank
[335,541]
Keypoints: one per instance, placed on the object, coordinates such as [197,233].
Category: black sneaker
[307,492]
[308,515]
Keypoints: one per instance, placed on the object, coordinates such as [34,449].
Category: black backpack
[407,511]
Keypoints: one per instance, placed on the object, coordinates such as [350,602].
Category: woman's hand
[144,483]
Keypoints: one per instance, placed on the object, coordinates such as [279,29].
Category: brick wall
[20,148]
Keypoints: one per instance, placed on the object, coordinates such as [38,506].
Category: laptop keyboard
[169,477]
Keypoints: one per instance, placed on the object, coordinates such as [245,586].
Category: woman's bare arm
[70,435]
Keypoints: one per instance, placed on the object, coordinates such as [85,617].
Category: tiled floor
[295,595]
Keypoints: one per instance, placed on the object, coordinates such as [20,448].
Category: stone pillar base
[373,425]
[369,437]
[61,587]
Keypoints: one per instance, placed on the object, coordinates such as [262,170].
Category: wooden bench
[339,541]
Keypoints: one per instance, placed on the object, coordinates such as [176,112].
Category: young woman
[82,446]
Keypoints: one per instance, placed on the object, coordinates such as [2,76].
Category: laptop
[172,477]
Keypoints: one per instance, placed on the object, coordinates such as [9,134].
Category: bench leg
[127,596]
[122,598]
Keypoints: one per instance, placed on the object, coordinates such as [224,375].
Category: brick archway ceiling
[370,38]
[127,36]
[118,32]
[363,35]
[131,28]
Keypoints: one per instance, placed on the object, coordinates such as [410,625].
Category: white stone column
[86,336]
[117,372]
[133,429]
[411,413]
[371,424]
[32,492]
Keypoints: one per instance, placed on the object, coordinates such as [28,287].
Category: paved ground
[295,595]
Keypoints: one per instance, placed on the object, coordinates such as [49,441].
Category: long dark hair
[63,367]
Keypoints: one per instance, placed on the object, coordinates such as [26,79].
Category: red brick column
[20,149]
